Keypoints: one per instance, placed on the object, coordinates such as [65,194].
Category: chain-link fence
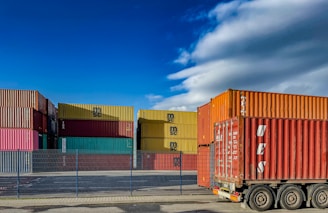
[78,173]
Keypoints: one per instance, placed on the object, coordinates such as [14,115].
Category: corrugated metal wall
[232,103]
[96,145]
[265,149]
[18,139]
[165,130]
[168,130]
[94,128]
[177,117]
[95,112]
[13,162]
[203,166]
[204,133]
[23,98]
[169,144]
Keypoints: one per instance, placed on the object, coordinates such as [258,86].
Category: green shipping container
[95,145]
[43,141]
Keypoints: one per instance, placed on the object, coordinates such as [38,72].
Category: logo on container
[261,148]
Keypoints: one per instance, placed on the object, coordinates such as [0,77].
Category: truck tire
[261,199]
[320,197]
[291,198]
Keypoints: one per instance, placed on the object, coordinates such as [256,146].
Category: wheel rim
[291,198]
[322,197]
[261,199]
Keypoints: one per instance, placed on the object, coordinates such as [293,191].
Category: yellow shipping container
[167,116]
[95,112]
[169,144]
[168,130]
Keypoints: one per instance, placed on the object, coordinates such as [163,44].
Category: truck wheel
[261,199]
[291,198]
[320,197]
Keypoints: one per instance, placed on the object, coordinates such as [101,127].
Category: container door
[228,150]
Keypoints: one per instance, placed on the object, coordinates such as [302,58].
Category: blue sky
[173,54]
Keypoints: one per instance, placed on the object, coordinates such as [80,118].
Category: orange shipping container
[23,98]
[204,133]
[232,103]
[262,150]
[203,166]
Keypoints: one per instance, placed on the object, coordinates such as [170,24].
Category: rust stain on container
[232,103]
[267,149]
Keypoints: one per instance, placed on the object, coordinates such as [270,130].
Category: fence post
[180,172]
[18,159]
[131,167]
[77,173]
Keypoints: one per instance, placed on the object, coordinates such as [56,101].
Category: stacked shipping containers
[170,132]
[23,120]
[204,141]
[102,134]
[262,137]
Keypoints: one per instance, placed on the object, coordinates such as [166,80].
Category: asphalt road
[110,183]
[200,206]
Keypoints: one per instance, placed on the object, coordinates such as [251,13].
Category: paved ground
[181,204]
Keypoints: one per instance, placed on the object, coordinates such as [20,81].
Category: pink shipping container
[204,133]
[95,128]
[168,161]
[289,155]
[22,139]
[25,118]
[23,98]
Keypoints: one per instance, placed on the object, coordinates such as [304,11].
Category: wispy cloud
[267,45]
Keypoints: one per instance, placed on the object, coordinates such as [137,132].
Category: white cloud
[266,45]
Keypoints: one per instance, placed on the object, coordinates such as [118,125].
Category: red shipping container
[168,161]
[203,166]
[263,150]
[95,128]
[25,118]
[22,139]
[204,133]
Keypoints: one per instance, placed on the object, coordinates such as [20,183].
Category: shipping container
[51,110]
[283,160]
[168,130]
[95,112]
[25,118]
[18,139]
[204,133]
[169,161]
[232,103]
[96,145]
[94,128]
[15,162]
[52,126]
[169,144]
[23,98]
[203,166]
[176,117]
[43,141]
